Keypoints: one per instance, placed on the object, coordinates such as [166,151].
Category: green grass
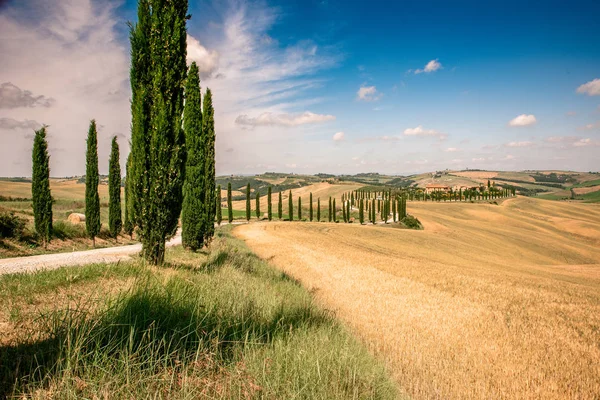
[216,324]
[588,183]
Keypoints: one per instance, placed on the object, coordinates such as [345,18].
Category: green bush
[411,222]
[66,230]
[11,225]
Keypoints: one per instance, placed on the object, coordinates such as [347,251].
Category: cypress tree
[194,208]
[158,71]
[115,220]
[128,221]
[40,187]
[280,207]
[361,211]
[334,211]
[257,204]
[310,208]
[348,211]
[269,205]
[394,201]
[92,199]
[344,211]
[218,205]
[229,204]
[299,208]
[208,132]
[319,209]
[330,213]
[248,202]
[291,207]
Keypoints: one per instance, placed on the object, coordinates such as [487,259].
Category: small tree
[291,206]
[299,208]
[319,209]
[310,208]
[92,199]
[280,207]
[114,190]
[229,204]
[269,205]
[257,205]
[248,202]
[40,187]
[218,205]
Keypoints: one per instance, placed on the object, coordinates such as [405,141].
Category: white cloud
[431,66]
[368,93]
[419,131]
[508,157]
[207,60]
[338,137]
[591,88]
[519,144]
[13,124]
[478,159]
[523,120]
[586,142]
[589,127]
[289,120]
[451,150]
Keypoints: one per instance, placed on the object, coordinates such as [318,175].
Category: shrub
[66,230]
[411,222]
[11,225]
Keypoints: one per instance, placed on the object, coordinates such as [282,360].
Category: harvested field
[489,301]
[587,189]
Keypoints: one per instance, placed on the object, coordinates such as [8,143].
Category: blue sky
[323,86]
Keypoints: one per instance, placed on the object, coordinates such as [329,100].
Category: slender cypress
[128,221]
[248,202]
[195,206]
[330,213]
[92,199]
[257,205]
[280,207]
[299,208]
[115,220]
[291,207]
[208,133]
[361,211]
[344,210]
[218,205]
[40,187]
[334,211]
[310,208]
[319,209]
[229,204]
[269,205]
[394,202]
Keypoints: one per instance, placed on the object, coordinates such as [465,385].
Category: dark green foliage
[280,207]
[361,211]
[11,225]
[291,206]
[319,209]
[128,222]
[208,133]
[269,205]
[92,199]
[194,208]
[348,211]
[394,202]
[248,211]
[299,208]
[229,204]
[257,205]
[218,205]
[330,210]
[310,208]
[158,72]
[40,187]
[411,222]
[334,211]
[114,190]
[344,210]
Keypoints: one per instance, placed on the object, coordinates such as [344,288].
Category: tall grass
[223,324]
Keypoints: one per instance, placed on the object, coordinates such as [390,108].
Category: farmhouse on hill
[434,187]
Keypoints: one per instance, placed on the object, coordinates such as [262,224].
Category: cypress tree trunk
[229,204]
[319,209]
[158,71]
[248,202]
[299,208]
[218,205]
[310,208]
[194,186]
[92,199]
[40,187]
[114,190]
[280,207]
[257,204]
[208,132]
[128,222]
[269,205]
[291,207]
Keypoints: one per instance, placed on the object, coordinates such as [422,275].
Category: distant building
[434,187]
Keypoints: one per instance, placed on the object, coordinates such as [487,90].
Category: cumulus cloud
[523,120]
[338,137]
[591,88]
[368,93]
[561,139]
[431,66]
[207,60]
[519,144]
[271,119]
[11,96]
[586,142]
[13,124]
[419,131]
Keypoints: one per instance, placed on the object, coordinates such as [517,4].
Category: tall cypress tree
[128,221]
[361,211]
[92,199]
[299,208]
[280,207]
[330,215]
[218,205]
[229,204]
[269,204]
[257,204]
[310,208]
[344,211]
[158,71]
[334,211]
[115,220]
[208,132]
[319,209]
[194,189]
[248,211]
[40,187]
[291,206]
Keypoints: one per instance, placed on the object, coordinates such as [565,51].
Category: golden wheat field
[488,301]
